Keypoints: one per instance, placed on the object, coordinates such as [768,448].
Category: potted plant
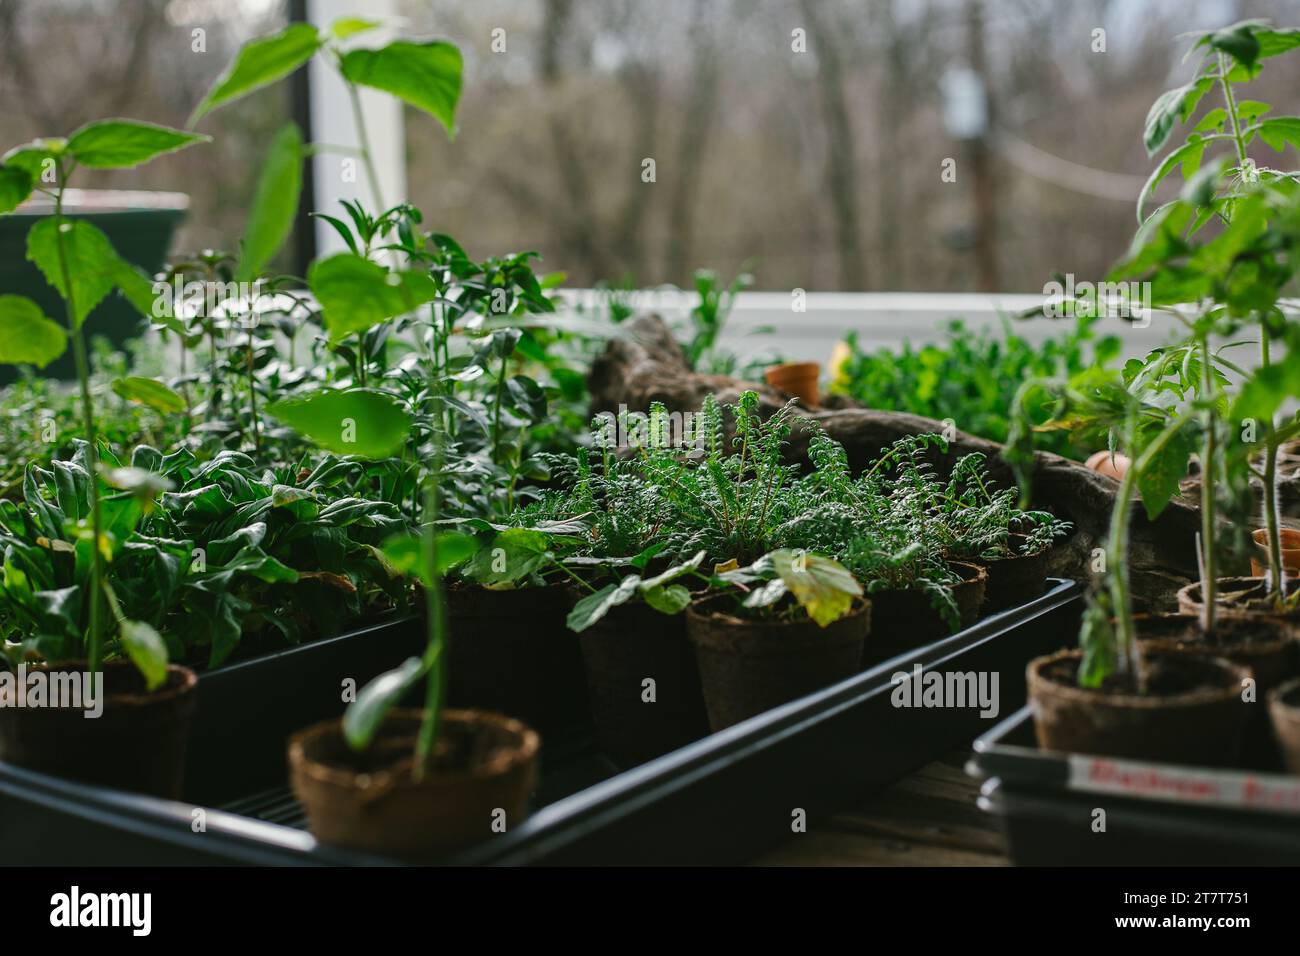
[147,703]
[789,624]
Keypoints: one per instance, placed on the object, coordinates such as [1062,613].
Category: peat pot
[137,743]
[632,643]
[1014,580]
[1191,712]
[904,619]
[748,666]
[1284,710]
[370,800]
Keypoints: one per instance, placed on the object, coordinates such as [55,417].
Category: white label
[1225,788]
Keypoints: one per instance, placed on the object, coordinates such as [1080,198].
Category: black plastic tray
[722,799]
[1156,814]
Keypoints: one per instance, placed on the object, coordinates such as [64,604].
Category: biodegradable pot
[1191,602]
[482,762]
[748,666]
[903,618]
[137,743]
[798,379]
[1112,466]
[1290,551]
[509,650]
[631,643]
[1193,712]
[1284,711]
[1014,580]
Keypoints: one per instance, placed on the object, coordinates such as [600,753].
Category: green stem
[364,140]
[1208,582]
[1273,530]
[436,681]
[1230,100]
[252,395]
[94,639]
[496,413]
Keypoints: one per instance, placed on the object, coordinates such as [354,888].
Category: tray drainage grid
[271,806]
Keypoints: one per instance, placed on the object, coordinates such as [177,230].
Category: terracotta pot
[510,651]
[631,643]
[138,742]
[1193,713]
[798,379]
[1284,711]
[1016,579]
[1290,551]
[482,762]
[1113,466]
[750,666]
[903,618]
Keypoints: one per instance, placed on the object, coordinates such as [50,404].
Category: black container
[723,799]
[1156,814]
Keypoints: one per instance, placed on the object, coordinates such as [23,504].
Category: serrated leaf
[27,336]
[15,186]
[92,262]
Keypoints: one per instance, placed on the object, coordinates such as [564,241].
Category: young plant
[79,261]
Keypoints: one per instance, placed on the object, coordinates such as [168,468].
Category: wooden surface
[927,819]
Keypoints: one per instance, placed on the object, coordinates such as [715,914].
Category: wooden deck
[927,819]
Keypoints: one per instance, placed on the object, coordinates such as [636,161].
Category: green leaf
[1170,107]
[824,587]
[1160,476]
[1277,42]
[15,186]
[275,204]
[121,143]
[151,392]
[362,719]
[593,607]
[426,75]
[259,63]
[357,294]
[139,481]
[356,421]
[513,554]
[36,157]
[1280,131]
[667,599]
[1188,155]
[147,651]
[27,337]
[93,263]
[404,554]
[1239,42]
[345,28]
[1267,389]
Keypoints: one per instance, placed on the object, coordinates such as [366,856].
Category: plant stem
[496,413]
[1208,580]
[1276,571]
[252,395]
[94,643]
[1117,564]
[364,140]
[436,681]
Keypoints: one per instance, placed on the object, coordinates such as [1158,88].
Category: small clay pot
[1014,580]
[903,618]
[482,762]
[1284,711]
[1112,466]
[510,651]
[631,643]
[1290,551]
[138,742]
[748,666]
[1192,712]
[798,379]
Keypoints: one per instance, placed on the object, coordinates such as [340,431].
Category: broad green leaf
[357,294]
[37,158]
[426,75]
[668,598]
[15,187]
[138,289]
[824,587]
[347,27]
[145,647]
[595,606]
[1160,476]
[92,262]
[151,392]
[356,421]
[362,719]
[404,554]
[1277,42]
[275,204]
[27,337]
[121,143]
[1239,42]
[139,481]
[673,573]
[513,554]
[261,62]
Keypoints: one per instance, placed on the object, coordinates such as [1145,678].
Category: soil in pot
[1235,596]
[482,762]
[1016,579]
[1284,710]
[509,650]
[137,743]
[633,643]
[1191,710]
[904,619]
[750,665]
[1290,551]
